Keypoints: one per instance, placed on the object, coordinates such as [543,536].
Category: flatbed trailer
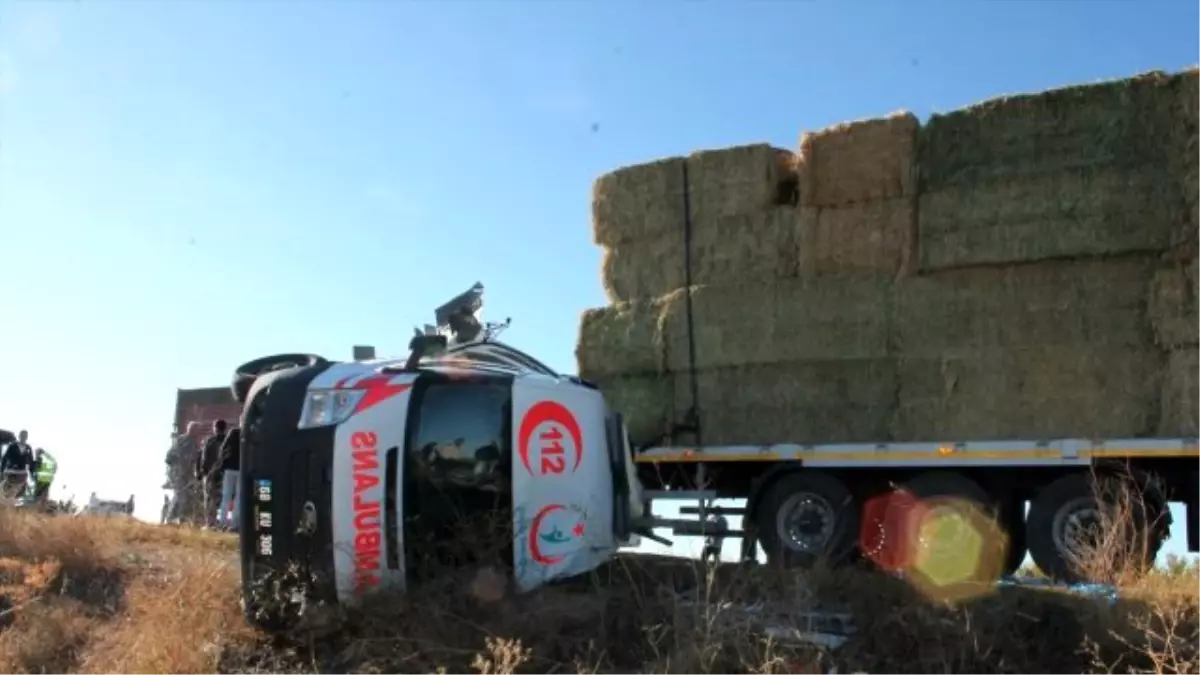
[849,492]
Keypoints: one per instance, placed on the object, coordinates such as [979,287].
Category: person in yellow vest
[43,474]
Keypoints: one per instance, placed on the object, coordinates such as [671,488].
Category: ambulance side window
[462,435]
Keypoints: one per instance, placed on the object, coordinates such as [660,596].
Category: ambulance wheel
[806,518]
[971,529]
[1068,518]
[248,372]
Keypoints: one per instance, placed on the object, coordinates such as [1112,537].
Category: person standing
[182,458]
[208,466]
[231,457]
[44,468]
[17,459]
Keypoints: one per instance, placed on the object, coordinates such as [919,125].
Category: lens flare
[947,547]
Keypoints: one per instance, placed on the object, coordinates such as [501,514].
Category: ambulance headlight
[327,407]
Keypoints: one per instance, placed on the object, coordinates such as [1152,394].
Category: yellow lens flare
[956,550]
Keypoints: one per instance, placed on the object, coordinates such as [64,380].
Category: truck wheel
[1067,520]
[953,495]
[807,517]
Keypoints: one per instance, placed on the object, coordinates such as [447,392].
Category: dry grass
[93,594]
[104,595]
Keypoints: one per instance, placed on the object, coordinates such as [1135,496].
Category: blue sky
[186,185]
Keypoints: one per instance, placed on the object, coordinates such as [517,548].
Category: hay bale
[624,339]
[640,202]
[875,236]
[1028,393]
[1173,307]
[1180,397]
[859,161]
[1089,302]
[1070,213]
[1117,124]
[730,249]
[645,402]
[812,401]
[636,204]
[739,181]
[1184,154]
[828,318]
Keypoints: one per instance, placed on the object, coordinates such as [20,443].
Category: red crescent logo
[535,549]
[540,413]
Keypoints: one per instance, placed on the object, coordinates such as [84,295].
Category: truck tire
[1071,503]
[805,518]
[951,490]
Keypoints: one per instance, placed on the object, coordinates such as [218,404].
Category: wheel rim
[805,522]
[1074,527]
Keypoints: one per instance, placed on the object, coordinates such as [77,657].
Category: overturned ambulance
[365,476]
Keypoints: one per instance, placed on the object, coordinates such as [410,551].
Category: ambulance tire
[246,374]
[828,505]
[257,612]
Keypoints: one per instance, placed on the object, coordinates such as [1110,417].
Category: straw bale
[621,339]
[1088,302]
[859,161]
[646,201]
[1040,392]
[738,181]
[1070,213]
[1122,123]
[750,247]
[811,401]
[1184,155]
[875,236]
[643,400]
[638,202]
[1173,307]
[1180,397]
[828,318]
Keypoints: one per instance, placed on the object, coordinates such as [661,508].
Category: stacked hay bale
[1021,268]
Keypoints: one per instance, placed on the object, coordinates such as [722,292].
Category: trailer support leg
[749,540]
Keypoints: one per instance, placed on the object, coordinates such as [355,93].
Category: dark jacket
[209,459]
[17,457]
[231,450]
